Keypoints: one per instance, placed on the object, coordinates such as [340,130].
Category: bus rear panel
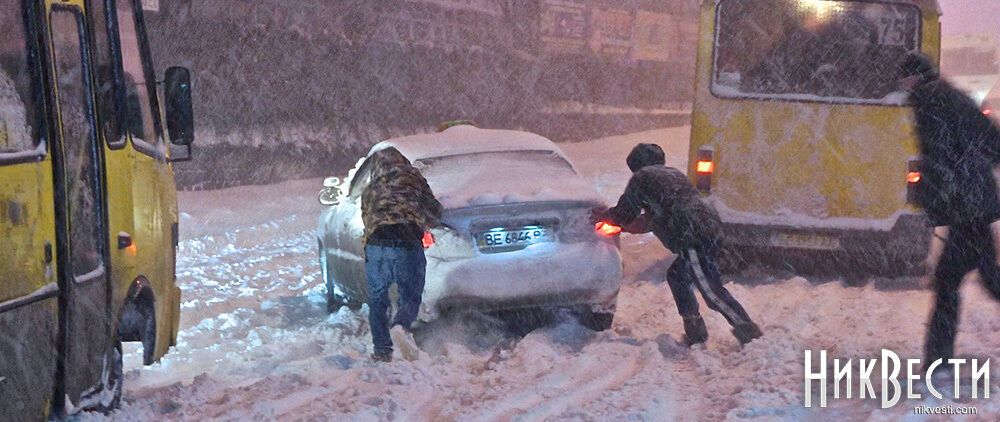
[800,137]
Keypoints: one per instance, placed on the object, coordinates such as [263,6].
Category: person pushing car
[397,207]
[661,199]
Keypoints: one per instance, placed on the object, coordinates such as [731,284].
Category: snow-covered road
[256,342]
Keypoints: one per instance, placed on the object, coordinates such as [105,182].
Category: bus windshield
[813,50]
[16,101]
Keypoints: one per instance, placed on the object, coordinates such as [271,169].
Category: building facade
[334,76]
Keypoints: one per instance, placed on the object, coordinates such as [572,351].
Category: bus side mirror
[179,107]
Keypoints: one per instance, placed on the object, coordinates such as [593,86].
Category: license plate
[805,241]
[503,239]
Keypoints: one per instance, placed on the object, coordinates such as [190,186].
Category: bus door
[28,289]
[85,320]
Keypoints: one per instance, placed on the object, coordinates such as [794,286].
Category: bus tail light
[704,169]
[428,240]
[912,179]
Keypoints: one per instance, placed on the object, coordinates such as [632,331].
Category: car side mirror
[179,108]
[330,195]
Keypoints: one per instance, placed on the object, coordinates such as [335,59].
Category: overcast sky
[975,16]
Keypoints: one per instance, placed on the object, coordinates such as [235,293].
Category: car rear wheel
[334,301]
[595,321]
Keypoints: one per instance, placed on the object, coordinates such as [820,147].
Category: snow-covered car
[516,231]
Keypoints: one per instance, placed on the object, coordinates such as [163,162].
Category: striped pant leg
[708,278]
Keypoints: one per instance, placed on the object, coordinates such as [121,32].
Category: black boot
[382,357]
[746,332]
[695,331]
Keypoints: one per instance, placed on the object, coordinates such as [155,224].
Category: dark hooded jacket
[959,148]
[677,215]
[398,204]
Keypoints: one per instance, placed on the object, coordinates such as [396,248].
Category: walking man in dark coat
[689,228]
[957,190]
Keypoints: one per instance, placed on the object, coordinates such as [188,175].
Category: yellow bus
[88,210]
[800,137]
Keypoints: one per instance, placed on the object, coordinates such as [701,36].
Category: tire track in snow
[563,389]
[606,379]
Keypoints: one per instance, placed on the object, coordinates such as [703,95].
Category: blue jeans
[405,266]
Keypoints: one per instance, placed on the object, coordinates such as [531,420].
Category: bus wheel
[732,261]
[855,278]
[907,267]
[139,319]
[116,375]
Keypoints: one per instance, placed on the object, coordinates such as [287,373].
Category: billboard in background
[423,32]
[627,34]
[481,6]
[612,32]
[563,26]
[656,37]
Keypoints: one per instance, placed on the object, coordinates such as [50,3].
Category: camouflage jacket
[397,194]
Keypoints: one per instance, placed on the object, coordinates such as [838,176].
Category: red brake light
[913,177]
[428,240]
[704,168]
[607,229]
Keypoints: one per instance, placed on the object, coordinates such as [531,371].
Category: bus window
[831,51]
[106,72]
[137,92]
[16,99]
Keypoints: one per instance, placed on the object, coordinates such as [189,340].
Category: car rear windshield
[813,50]
[503,164]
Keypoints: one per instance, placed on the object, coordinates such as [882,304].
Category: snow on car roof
[467,179]
[507,177]
[465,139]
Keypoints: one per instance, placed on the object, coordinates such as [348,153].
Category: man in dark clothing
[397,208]
[957,190]
[688,227]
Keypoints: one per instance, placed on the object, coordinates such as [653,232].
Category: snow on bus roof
[934,5]
[465,139]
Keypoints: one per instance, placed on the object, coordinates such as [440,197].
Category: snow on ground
[257,344]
